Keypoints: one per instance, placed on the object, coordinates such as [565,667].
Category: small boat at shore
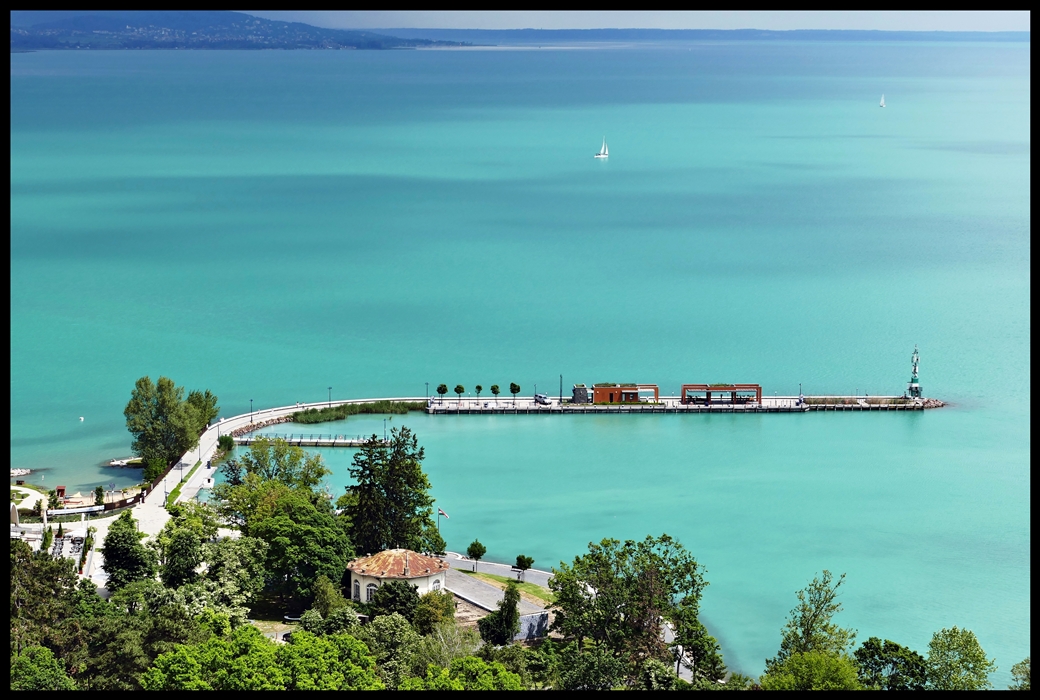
[118,463]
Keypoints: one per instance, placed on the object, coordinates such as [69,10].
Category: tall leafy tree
[956,661]
[99,495]
[514,389]
[524,562]
[204,408]
[164,426]
[126,558]
[476,552]
[391,504]
[590,667]
[183,556]
[812,670]
[460,390]
[442,389]
[1020,675]
[618,594]
[500,626]
[890,666]
[395,646]
[495,391]
[395,597]
[35,668]
[810,626]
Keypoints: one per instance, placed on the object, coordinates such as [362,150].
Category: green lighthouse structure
[914,387]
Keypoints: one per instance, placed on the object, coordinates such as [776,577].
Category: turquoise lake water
[269,224]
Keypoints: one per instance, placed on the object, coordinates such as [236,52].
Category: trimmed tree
[478,389]
[99,495]
[514,389]
[460,390]
[495,391]
[442,390]
[475,551]
[523,563]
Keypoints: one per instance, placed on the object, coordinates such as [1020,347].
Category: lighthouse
[914,387]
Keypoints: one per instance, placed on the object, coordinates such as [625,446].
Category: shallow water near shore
[270,224]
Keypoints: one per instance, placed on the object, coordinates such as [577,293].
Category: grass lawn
[531,592]
[17,496]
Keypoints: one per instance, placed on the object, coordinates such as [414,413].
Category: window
[436,584]
[370,590]
[357,591]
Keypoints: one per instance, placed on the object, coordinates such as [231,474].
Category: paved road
[483,594]
[535,576]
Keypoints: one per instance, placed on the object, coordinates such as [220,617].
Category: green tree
[48,539]
[126,559]
[304,540]
[592,667]
[164,426]
[183,557]
[475,551]
[618,594]
[327,596]
[478,389]
[1020,675]
[699,651]
[246,661]
[395,597]
[809,626]
[434,608]
[391,504]
[61,530]
[501,626]
[890,666]
[654,675]
[395,646]
[204,409]
[53,501]
[226,443]
[442,390]
[467,673]
[956,661]
[524,563]
[495,391]
[35,668]
[514,389]
[447,642]
[153,469]
[99,495]
[812,670]
[234,573]
[459,389]
[338,662]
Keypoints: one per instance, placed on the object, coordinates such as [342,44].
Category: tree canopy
[956,661]
[809,626]
[890,666]
[163,424]
[391,506]
[126,558]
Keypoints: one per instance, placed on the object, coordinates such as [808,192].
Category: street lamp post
[427,390]
[330,397]
[250,411]
[384,430]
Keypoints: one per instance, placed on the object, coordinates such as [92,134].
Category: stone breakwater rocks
[933,403]
[257,426]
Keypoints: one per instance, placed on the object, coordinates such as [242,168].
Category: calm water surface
[270,224]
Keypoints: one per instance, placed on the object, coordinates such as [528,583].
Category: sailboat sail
[602,150]
[882,100]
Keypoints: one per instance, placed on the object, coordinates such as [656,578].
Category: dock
[673,404]
[309,440]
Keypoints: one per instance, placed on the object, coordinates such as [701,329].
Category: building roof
[398,563]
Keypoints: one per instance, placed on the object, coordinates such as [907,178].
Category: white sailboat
[603,150]
[882,100]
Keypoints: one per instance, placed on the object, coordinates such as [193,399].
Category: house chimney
[406,564]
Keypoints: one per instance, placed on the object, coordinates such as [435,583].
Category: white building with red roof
[424,572]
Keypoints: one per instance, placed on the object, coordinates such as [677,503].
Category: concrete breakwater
[673,404]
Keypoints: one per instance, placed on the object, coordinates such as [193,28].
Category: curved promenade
[151,515]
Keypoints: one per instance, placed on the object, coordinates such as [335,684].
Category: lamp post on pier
[250,411]
[427,390]
[330,397]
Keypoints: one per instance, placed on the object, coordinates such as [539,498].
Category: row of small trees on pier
[514,389]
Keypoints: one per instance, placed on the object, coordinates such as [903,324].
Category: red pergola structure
[732,389]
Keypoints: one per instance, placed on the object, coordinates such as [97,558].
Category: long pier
[311,440]
[672,404]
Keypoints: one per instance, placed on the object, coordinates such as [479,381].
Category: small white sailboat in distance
[602,150]
[882,99]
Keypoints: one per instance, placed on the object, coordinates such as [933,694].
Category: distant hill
[558,36]
[187,30]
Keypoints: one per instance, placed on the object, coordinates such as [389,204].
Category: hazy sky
[976,20]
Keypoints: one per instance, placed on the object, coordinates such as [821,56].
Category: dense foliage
[390,505]
[163,423]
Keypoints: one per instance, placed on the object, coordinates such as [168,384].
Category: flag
[441,512]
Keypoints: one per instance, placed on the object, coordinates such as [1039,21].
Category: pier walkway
[672,404]
[303,440]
